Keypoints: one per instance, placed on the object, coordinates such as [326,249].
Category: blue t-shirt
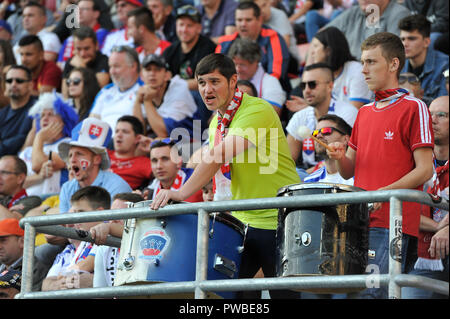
[112,182]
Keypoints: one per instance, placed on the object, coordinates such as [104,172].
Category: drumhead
[304,186]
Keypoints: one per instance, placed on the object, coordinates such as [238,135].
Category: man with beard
[14,121]
[142,29]
[330,128]
[317,86]
[117,98]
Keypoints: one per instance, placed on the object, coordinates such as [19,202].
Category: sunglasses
[410,78]
[74,81]
[311,84]
[187,10]
[166,141]
[18,80]
[326,131]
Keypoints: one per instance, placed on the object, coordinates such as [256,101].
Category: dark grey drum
[322,240]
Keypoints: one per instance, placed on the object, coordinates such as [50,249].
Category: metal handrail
[201,285]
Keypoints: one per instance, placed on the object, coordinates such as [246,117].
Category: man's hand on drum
[100,232]
[163,197]
[339,151]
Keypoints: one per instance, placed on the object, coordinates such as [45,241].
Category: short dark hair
[216,61]
[129,197]
[163,143]
[31,39]
[341,124]
[135,123]
[246,49]
[339,51]
[247,4]
[84,32]
[143,16]
[20,67]
[323,66]
[96,196]
[37,5]
[391,47]
[20,167]
[416,22]
[250,85]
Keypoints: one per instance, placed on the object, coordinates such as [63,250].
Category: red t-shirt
[50,74]
[134,170]
[384,141]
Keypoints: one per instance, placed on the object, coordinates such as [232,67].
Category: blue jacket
[432,78]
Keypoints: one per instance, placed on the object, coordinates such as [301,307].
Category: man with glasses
[14,120]
[330,128]
[89,15]
[317,86]
[117,98]
[13,172]
[424,61]
[411,82]
[120,36]
[433,254]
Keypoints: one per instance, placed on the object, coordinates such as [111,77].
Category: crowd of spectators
[102,95]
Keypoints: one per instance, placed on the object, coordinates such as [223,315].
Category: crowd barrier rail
[394,279]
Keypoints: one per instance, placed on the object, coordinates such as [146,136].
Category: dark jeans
[260,251]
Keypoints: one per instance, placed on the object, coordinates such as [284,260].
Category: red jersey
[134,170]
[384,141]
[50,74]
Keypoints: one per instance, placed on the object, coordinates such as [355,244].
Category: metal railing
[394,279]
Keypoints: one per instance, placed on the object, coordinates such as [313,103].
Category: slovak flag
[95,131]
[309,154]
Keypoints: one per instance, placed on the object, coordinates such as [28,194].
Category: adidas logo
[389,135]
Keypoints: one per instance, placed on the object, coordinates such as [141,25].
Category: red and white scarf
[424,260]
[390,94]
[180,179]
[223,123]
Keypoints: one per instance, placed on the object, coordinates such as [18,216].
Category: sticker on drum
[153,244]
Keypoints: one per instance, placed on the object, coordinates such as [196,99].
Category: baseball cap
[135,2]
[10,227]
[5,25]
[155,59]
[189,11]
[11,279]
[93,134]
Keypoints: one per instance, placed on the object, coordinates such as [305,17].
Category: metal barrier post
[201,272]
[28,258]
[395,246]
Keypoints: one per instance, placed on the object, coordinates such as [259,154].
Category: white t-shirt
[50,42]
[178,106]
[51,185]
[321,175]
[111,103]
[118,37]
[350,85]
[306,117]
[268,87]
[105,268]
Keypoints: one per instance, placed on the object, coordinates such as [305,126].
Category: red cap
[135,2]
[10,226]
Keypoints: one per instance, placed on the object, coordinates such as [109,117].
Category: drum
[322,240]
[164,249]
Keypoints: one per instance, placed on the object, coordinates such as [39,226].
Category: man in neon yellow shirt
[248,146]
